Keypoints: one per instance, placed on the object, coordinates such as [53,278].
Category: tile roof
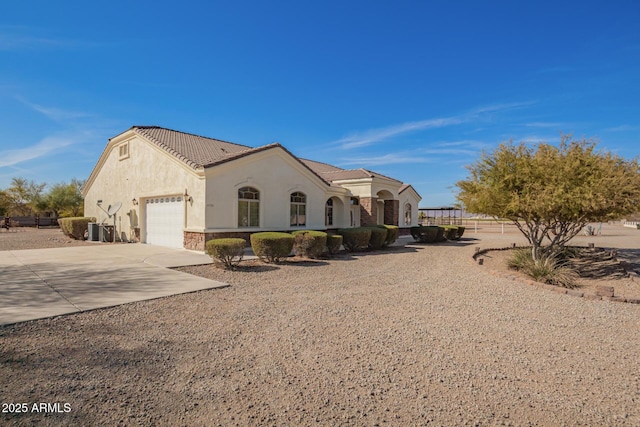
[197,151]
[342,174]
[334,173]
[320,167]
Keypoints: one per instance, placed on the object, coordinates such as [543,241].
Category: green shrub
[450,232]
[416,232]
[378,237]
[75,227]
[226,253]
[453,232]
[271,246]
[309,243]
[355,239]
[520,259]
[427,234]
[334,241]
[392,234]
[547,269]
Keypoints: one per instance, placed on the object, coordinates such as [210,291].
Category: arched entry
[334,213]
[387,208]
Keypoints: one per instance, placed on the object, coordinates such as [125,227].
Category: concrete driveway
[41,283]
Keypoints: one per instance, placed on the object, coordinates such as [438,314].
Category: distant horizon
[415,91]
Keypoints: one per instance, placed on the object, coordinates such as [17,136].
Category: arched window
[407,214]
[298,210]
[328,212]
[248,207]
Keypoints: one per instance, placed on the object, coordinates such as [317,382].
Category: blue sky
[411,89]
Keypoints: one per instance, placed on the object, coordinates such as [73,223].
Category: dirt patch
[596,267]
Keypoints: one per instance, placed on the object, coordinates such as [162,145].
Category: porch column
[391,212]
[368,211]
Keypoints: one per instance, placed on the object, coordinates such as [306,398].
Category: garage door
[164,221]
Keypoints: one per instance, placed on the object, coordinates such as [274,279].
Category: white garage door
[164,221]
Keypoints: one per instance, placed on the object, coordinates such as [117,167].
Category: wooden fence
[29,221]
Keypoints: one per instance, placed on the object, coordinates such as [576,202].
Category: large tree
[551,193]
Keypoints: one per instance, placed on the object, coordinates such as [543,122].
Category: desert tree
[64,199]
[23,196]
[551,192]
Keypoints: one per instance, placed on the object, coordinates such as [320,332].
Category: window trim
[249,201]
[409,212]
[297,204]
[328,208]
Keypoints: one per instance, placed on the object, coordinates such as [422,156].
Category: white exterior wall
[409,196]
[276,175]
[147,172]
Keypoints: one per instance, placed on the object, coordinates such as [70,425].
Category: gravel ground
[413,336]
[33,238]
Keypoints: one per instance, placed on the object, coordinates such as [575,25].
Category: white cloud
[546,125]
[622,128]
[387,159]
[368,137]
[500,107]
[376,135]
[15,37]
[56,114]
[44,147]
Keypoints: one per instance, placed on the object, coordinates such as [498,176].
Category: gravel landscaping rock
[410,336]
[34,238]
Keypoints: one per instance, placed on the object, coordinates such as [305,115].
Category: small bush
[226,253]
[309,243]
[453,232]
[378,237]
[392,234]
[334,242]
[75,227]
[547,269]
[355,239]
[427,234]
[450,232]
[272,246]
[520,259]
[416,232]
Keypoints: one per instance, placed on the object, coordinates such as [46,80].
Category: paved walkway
[41,283]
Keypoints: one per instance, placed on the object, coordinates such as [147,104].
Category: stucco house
[180,190]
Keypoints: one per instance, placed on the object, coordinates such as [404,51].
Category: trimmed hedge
[428,234]
[271,246]
[309,243]
[453,232]
[75,227]
[392,233]
[355,239]
[334,241]
[378,237]
[450,232]
[226,253]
